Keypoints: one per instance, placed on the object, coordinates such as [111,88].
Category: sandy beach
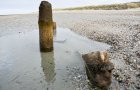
[118,28]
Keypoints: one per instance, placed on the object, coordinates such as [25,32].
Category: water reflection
[48,66]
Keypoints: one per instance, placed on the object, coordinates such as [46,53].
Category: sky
[32,5]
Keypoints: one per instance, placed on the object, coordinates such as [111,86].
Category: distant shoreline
[26,13]
[124,6]
[121,6]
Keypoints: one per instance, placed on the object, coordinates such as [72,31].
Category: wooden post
[45,27]
[54,25]
[54,28]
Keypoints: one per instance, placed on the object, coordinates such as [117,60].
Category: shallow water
[23,67]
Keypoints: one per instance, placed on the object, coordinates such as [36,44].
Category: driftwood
[98,69]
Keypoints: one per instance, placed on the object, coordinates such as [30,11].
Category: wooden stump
[46,26]
[98,69]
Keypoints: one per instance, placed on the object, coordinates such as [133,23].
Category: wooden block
[98,68]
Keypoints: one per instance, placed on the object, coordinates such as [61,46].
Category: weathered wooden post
[54,25]
[54,28]
[45,27]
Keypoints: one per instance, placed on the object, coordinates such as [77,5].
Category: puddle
[23,67]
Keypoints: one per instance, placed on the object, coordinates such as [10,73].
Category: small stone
[138,86]
[131,69]
[135,61]
[79,76]
[138,66]
[138,75]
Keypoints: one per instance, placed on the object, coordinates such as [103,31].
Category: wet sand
[120,29]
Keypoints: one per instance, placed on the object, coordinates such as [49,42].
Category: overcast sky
[32,5]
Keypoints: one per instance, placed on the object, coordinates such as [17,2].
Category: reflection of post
[46,26]
[48,66]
